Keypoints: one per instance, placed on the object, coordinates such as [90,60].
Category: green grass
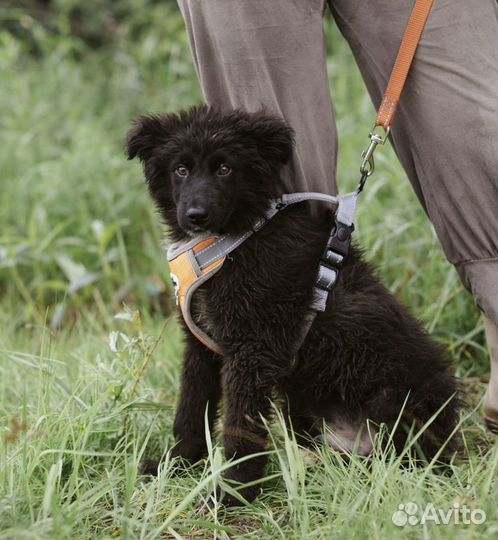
[79,241]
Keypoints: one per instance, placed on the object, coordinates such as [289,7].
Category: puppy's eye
[181,170]
[224,169]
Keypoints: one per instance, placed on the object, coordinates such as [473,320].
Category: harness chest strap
[187,276]
[193,263]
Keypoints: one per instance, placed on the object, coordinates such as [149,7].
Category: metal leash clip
[368,164]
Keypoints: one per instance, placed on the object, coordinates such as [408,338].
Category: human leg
[446,130]
[270,54]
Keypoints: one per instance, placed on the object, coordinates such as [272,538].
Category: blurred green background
[77,228]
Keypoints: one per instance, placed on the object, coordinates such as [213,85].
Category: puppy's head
[209,171]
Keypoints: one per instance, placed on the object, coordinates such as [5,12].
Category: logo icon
[405,514]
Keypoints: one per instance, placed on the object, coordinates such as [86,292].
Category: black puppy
[364,362]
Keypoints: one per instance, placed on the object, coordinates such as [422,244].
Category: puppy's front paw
[191,450]
[248,494]
[227,499]
[149,467]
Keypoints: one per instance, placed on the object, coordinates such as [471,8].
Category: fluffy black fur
[363,357]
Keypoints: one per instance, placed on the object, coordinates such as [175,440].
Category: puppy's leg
[301,422]
[247,389]
[200,388]
[414,409]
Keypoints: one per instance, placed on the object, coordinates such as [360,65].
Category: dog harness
[194,262]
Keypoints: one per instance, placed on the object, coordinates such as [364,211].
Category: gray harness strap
[328,269]
[227,243]
[347,208]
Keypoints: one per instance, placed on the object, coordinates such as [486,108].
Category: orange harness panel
[187,276]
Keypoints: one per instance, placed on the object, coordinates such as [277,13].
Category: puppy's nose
[197,215]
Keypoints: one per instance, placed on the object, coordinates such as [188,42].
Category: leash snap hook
[368,163]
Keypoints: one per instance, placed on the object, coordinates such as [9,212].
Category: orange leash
[411,38]
[390,101]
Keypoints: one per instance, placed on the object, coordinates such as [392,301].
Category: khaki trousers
[254,53]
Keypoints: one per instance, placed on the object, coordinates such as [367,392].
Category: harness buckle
[334,256]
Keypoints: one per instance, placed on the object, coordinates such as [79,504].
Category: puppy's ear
[147,133]
[274,138]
